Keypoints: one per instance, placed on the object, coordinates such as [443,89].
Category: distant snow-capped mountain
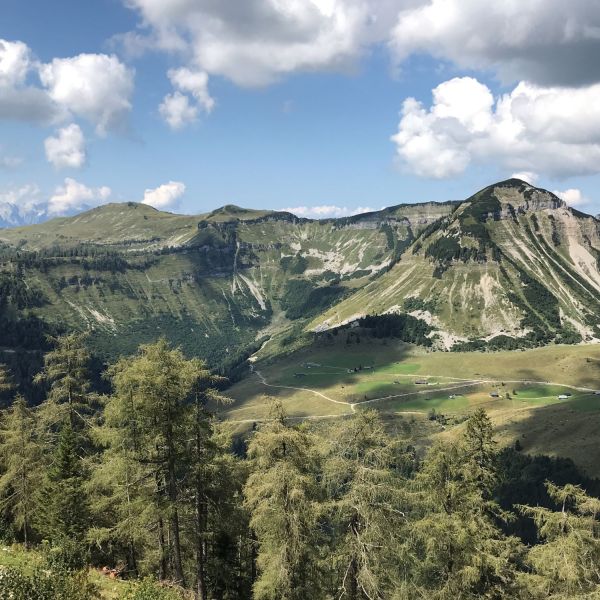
[13,215]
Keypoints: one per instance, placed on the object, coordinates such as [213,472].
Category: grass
[27,560]
[532,408]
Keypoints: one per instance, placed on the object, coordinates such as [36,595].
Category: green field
[315,383]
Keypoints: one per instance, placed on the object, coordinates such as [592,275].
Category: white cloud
[67,148]
[15,62]
[164,196]
[18,100]
[527,176]
[75,196]
[553,131]
[572,196]
[22,195]
[97,87]
[21,205]
[194,83]
[550,42]
[326,211]
[177,111]
[255,42]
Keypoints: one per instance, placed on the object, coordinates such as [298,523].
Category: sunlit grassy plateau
[406,382]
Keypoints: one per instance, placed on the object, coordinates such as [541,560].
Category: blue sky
[308,130]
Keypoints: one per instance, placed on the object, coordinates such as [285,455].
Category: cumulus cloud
[182,107]
[67,148]
[15,62]
[195,83]
[97,87]
[527,176]
[255,42]
[164,196]
[549,43]
[75,196]
[18,100]
[177,110]
[572,196]
[326,211]
[554,131]
[23,195]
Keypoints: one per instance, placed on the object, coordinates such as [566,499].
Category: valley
[519,390]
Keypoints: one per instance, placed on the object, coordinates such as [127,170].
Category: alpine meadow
[383,383]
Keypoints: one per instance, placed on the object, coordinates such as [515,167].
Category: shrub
[149,589]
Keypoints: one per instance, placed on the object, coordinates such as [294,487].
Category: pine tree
[21,463]
[282,496]
[367,502]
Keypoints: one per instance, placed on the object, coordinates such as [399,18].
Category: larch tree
[456,546]
[283,496]
[367,504]
[66,373]
[567,562]
[150,416]
[21,468]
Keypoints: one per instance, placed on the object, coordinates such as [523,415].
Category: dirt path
[352,405]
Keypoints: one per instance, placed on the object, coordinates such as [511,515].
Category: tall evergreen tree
[456,547]
[21,468]
[66,372]
[282,496]
[150,416]
[567,563]
[67,510]
[362,478]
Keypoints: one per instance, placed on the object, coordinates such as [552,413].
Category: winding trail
[460,384]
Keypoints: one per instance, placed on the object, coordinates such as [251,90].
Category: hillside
[512,262]
[129,273]
[510,266]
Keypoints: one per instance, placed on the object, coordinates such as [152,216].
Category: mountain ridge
[511,264]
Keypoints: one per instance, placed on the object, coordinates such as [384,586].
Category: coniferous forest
[145,482]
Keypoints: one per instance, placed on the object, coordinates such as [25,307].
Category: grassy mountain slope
[512,261]
[128,273]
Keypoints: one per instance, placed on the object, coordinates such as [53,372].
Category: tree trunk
[200,549]
[163,550]
[177,563]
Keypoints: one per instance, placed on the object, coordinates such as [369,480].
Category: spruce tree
[67,511]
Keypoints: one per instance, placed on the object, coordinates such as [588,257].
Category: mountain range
[511,266]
